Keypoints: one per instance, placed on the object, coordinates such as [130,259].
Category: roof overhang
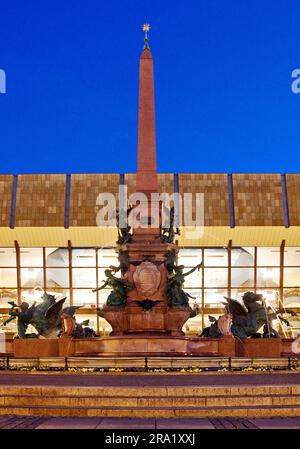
[107,236]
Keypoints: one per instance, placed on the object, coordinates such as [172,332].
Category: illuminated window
[189,257]
[102,295]
[8,257]
[215,257]
[196,295]
[268,256]
[214,297]
[84,277]
[102,276]
[32,277]
[8,277]
[31,257]
[291,297]
[83,257]
[238,293]
[242,277]
[194,279]
[91,319]
[107,257]
[57,257]
[268,277]
[33,294]
[292,256]
[84,297]
[291,277]
[215,277]
[57,278]
[242,257]
[271,296]
[8,294]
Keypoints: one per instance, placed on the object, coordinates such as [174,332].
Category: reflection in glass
[215,277]
[196,296]
[291,277]
[8,277]
[8,257]
[242,277]
[271,296]
[291,297]
[268,256]
[242,257]
[102,277]
[84,297]
[57,257]
[57,277]
[8,294]
[189,257]
[107,257]
[32,294]
[92,320]
[84,257]
[214,297]
[35,294]
[31,257]
[268,277]
[102,295]
[32,277]
[214,257]
[238,293]
[194,279]
[207,323]
[84,277]
[291,256]
[104,327]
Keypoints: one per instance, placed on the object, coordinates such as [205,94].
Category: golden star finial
[146,28]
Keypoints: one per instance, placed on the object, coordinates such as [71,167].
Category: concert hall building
[49,240]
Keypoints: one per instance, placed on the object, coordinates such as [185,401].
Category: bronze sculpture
[23,316]
[169,231]
[249,317]
[120,288]
[174,292]
[46,318]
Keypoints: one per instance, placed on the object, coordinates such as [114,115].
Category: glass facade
[74,272]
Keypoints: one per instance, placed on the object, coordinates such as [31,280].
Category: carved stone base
[133,345]
[159,320]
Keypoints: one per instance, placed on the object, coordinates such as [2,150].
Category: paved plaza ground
[43,422]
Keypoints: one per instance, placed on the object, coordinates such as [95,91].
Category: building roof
[50,209]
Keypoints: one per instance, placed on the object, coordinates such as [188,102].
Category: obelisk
[146,181]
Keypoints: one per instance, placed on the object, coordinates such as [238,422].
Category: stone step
[106,391]
[143,402]
[151,402]
[179,412]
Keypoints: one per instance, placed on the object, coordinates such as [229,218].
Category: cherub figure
[175,294]
[168,231]
[120,287]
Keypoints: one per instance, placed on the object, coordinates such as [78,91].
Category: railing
[149,364]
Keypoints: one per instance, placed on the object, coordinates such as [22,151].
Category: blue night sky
[222,83]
